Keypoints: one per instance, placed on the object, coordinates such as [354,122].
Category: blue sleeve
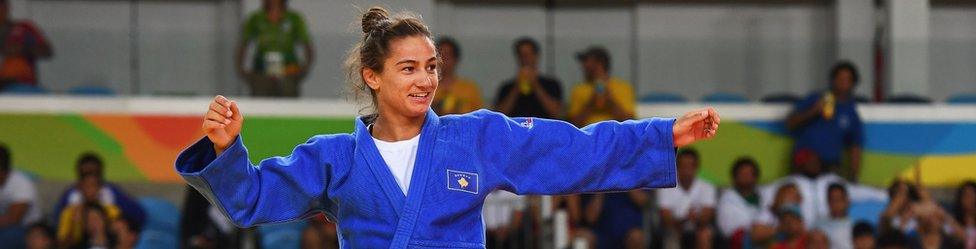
[550,157]
[279,189]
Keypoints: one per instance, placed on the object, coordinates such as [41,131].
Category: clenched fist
[222,123]
[694,126]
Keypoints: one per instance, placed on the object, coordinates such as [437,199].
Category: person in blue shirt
[408,178]
[827,122]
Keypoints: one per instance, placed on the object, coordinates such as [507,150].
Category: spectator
[40,236]
[96,233]
[739,207]
[793,233]
[503,214]
[765,229]
[965,210]
[863,236]
[455,94]
[913,212]
[90,164]
[838,227]
[276,70]
[688,210]
[19,204]
[600,97]
[828,123]
[22,46]
[812,182]
[75,227]
[529,94]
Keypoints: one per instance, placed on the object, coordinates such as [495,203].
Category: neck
[392,128]
[686,184]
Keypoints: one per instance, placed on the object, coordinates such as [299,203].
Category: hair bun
[374,18]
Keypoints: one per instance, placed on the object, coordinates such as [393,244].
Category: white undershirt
[399,156]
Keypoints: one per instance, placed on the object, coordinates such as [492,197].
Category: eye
[431,68]
[407,69]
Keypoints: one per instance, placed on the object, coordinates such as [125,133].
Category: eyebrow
[414,61]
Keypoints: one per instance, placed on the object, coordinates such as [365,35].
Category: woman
[965,208]
[367,181]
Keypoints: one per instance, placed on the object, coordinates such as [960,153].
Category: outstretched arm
[278,189]
[549,157]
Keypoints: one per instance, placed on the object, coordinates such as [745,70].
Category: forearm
[618,112]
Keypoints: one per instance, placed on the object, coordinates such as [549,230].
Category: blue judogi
[460,159]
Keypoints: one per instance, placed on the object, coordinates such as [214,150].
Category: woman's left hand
[694,126]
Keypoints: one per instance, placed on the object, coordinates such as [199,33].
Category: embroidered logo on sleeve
[527,123]
[462,181]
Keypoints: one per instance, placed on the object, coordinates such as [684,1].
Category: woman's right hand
[222,123]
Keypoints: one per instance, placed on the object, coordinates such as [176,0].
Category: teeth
[419,95]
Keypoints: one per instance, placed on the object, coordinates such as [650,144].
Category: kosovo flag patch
[462,181]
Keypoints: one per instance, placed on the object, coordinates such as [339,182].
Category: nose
[428,81]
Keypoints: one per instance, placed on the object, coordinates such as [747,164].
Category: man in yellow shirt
[455,94]
[600,97]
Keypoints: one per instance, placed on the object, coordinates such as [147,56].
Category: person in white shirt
[838,226]
[739,207]
[19,205]
[688,210]
[812,182]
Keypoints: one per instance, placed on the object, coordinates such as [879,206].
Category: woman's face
[409,78]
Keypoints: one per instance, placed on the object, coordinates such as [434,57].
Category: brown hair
[379,30]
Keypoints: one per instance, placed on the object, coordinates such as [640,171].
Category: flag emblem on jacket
[462,181]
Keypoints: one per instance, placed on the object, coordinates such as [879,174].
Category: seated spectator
[863,236]
[965,211]
[74,228]
[503,216]
[838,226]
[812,182]
[19,204]
[90,164]
[764,230]
[22,46]
[600,97]
[455,94]
[739,207]
[818,240]
[40,236]
[203,226]
[688,210]
[898,215]
[529,94]
[97,232]
[792,233]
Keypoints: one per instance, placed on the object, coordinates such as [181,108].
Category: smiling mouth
[419,95]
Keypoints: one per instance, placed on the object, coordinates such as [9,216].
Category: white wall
[186,47]
[952,53]
[750,50]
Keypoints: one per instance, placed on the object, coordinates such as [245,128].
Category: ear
[372,79]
